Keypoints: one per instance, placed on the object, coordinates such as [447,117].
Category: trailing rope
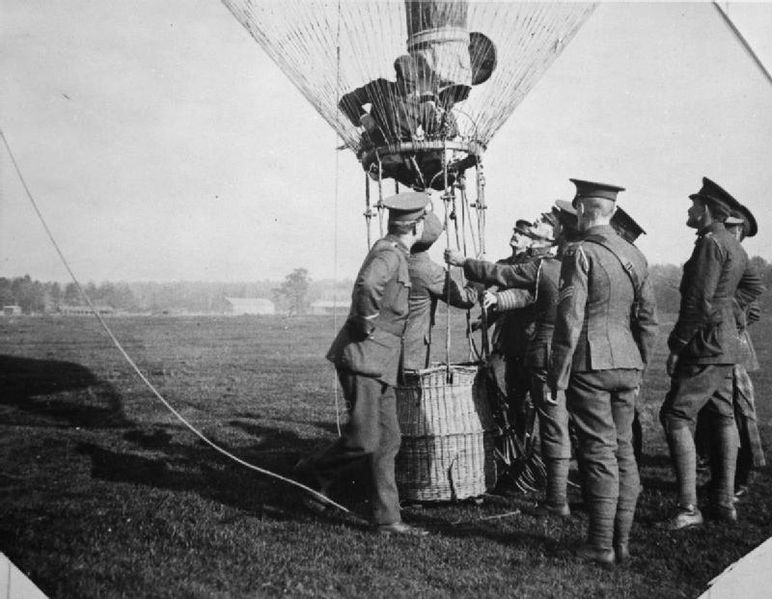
[135,368]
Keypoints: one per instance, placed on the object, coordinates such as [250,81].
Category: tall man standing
[367,354]
[704,346]
[604,329]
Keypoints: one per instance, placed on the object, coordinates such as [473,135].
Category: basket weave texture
[448,434]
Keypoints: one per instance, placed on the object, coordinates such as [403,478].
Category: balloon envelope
[328,49]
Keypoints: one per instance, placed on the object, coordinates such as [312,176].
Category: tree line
[293,295]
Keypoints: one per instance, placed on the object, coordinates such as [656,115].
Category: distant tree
[54,294]
[72,295]
[6,293]
[292,292]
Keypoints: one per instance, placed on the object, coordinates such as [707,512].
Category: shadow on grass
[164,463]
[44,388]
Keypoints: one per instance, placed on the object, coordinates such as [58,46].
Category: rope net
[482,58]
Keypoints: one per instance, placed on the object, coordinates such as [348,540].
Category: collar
[604,230]
[714,227]
[397,243]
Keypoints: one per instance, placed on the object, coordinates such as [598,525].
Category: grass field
[104,493]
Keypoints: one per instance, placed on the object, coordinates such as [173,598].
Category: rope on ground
[194,430]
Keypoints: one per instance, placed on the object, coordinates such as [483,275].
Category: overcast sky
[162,144]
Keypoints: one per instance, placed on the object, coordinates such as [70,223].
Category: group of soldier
[576,322]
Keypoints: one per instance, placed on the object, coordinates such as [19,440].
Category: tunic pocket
[706,342]
[371,356]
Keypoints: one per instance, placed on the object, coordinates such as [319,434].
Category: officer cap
[551,218]
[523,226]
[566,214]
[751,227]
[625,225]
[717,197]
[591,189]
[406,207]
[433,228]
[542,231]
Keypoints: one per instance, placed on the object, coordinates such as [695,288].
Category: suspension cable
[133,365]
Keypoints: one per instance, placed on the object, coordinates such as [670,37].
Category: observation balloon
[397,78]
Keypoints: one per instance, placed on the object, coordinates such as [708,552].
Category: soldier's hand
[670,365]
[454,257]
[550,396]
[489,300]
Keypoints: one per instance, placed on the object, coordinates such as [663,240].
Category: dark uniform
[540,277]
[366,354]
[603,335]
[429,283]
[628,229]
[706,344]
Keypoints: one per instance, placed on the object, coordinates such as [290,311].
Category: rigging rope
[746,45]
[133,365]
[335,247]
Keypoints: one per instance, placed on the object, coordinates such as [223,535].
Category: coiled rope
[319,496]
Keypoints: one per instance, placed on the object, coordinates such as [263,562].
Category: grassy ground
[103,493]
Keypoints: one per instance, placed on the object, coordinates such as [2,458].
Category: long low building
[250,305]
[324,307]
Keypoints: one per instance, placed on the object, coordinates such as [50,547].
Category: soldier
[539,277]
[751,452]
[511,332]
[366,354]
[704,346]
[597,356]
[628,229]
[429,283]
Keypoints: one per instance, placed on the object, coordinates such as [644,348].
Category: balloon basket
[448,434]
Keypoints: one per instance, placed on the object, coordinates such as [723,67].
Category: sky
[160,142]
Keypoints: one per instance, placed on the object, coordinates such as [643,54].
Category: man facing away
[366,354]
[704,346]
[604,329]
[429,283]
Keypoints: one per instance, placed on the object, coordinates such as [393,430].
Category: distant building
[330,307]
[250,305]
[86,310]
[11,310]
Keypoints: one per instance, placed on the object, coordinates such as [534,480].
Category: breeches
[602,403]
[370,437]
[553,418]
[694,386]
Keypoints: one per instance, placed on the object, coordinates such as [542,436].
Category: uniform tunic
[706,331]
[430,282]
[540,278]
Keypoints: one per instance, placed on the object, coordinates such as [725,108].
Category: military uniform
[429,282]
[706,344]
[366,354]
[603,335]
[539,277]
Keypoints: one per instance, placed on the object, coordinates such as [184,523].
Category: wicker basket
[448,435]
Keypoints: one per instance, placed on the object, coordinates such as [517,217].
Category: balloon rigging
[417,89]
